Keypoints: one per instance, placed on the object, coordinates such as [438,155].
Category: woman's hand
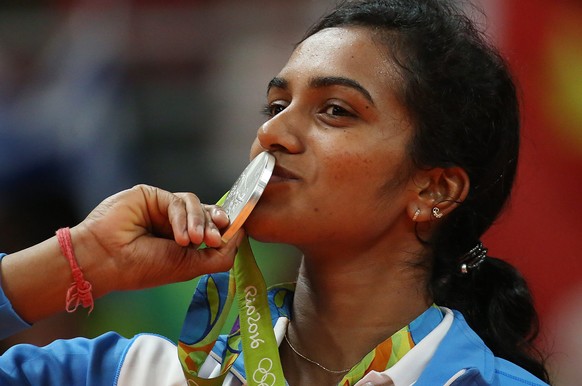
[139,238]
[147,236]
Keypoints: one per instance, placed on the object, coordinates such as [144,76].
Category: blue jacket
[461,358]
[463,349]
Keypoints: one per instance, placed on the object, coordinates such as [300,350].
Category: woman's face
[340,137]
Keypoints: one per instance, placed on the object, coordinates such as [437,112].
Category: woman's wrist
[97,266]
[35,280]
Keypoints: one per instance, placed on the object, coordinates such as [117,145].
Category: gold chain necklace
[311,360]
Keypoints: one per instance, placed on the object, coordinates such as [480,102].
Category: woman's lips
[281,174]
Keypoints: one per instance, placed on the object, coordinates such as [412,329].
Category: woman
[395,128]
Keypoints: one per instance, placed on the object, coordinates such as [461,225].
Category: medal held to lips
[246,191]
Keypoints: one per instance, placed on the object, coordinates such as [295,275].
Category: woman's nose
[280,134]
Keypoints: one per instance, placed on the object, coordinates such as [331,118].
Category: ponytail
[495,300]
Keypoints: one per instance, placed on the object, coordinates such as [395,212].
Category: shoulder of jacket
[509,373]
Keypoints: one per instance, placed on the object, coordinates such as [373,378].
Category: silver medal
[246,191]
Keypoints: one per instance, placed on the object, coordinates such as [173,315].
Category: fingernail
[220,212]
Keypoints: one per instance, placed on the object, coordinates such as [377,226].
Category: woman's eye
[273,109]
[336,110]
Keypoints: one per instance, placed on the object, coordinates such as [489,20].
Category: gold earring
[416,214]
[436,212]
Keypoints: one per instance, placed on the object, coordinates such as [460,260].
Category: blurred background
[96,96]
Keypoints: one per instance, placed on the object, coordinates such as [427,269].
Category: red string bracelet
[79,292]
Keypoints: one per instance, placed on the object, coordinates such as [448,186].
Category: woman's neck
[343,308]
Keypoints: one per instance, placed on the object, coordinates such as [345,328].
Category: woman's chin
[259,232]
[264,230]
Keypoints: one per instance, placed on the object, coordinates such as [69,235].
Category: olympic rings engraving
[267,378]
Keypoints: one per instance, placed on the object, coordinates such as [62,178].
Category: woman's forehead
[349,52]
[344,56]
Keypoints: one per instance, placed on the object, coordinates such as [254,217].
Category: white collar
[407,370]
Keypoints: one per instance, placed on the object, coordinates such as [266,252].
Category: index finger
[195,217]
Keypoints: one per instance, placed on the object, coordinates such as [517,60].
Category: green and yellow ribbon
[207,315]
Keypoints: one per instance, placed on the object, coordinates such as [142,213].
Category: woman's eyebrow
[277,83]
[326,81]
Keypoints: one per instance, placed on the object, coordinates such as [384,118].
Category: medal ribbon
[207,314]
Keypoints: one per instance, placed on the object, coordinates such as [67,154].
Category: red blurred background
[542,231]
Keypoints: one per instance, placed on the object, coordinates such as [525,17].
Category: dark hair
[463,104]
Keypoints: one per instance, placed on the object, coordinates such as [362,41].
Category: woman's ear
[438,192]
